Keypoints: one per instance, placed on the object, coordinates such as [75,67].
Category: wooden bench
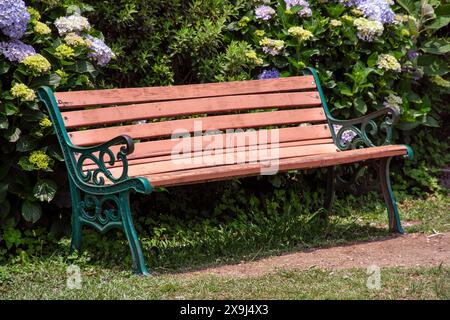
[110,151]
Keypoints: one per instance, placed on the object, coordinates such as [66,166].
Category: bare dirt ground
[397,251]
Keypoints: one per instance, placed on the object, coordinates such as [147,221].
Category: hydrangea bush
[369,53]
[40,44]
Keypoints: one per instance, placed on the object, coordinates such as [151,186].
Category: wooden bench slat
[75,99]
[213,160]
[164,147]
[297,163]
[123,113]
[167,128]
[309,134]
[306,135]
[168,157]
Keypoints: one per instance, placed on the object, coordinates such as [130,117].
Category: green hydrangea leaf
[3,191]
[360,105]
[31,211]
[13,134]
[45,190]
[436,46]
[26,143]
[4,124]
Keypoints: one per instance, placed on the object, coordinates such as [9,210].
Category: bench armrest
[93,166]
[365,131]
[359,132]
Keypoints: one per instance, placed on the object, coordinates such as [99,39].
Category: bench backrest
[105,114]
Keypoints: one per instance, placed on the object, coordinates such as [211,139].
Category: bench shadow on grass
[223,244]
[358,234]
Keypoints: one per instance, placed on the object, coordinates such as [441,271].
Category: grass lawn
[47,280]
[105,265]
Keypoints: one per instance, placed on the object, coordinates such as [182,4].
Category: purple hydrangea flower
[350,3]
[412,54]
[415,73]
[347,136]
[269,74]
[305,10]
[14,18]
[101,53]
[16,50]
[264,12]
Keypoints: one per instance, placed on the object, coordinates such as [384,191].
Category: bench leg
[75,245]
[88,209]
[139,266]
[330,192]
[391,204]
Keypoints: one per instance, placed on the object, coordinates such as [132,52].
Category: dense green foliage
[161,42]
[30,159]
[351,68]
[158,42]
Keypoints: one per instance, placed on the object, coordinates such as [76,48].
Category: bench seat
[182,176]
[165,172]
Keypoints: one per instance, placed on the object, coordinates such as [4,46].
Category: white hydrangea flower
[388,62]
[335,23]
[271,46]
[368,30]
[73,23]
[393,101]
[300,33]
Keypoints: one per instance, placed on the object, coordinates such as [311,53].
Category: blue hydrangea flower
[101,53]
[377,10]
[14,18]
[269,74]
[16,50]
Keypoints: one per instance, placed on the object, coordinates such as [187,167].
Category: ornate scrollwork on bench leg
[101,212]
[104,201]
